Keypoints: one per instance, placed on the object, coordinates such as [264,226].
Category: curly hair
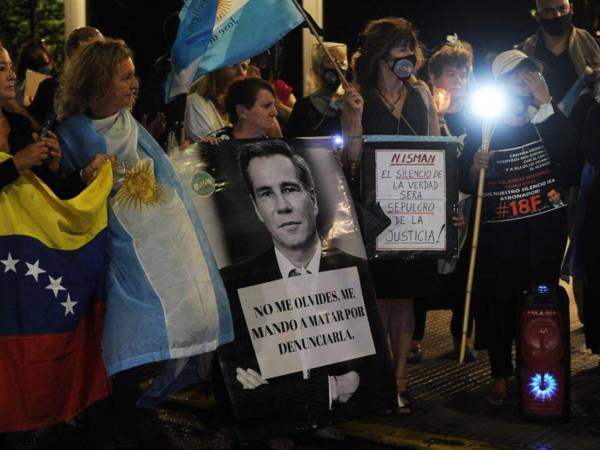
[378,39]
[88,76]
[454,55]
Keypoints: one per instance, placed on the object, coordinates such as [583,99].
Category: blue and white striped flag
[165,296]
[241,29]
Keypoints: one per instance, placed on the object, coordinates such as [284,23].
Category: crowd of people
[93,98]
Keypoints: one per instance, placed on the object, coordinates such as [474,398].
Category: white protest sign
[411,189]
[308,321]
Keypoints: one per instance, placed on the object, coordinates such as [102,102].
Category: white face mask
[403,67]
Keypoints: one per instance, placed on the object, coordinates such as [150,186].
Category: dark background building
[490,26]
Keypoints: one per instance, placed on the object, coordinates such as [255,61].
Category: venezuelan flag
[52,305]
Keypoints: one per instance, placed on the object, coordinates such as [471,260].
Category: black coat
[300,403]
[591,236]
[20,136]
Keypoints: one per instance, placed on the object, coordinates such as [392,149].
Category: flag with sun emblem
[52,302]
[238,30]
[165,296]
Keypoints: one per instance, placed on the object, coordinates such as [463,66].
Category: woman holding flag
[37,225]
[29,150]
[165,297]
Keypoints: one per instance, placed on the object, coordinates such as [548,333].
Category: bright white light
[337,140]
[488,102]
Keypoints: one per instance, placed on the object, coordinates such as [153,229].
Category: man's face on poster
[553,196]
[282,202]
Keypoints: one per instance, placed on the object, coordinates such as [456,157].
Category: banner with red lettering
[519,183]
[414,181]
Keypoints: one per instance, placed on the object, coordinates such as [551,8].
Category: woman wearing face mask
[319,113]
[395,103]
[523,235]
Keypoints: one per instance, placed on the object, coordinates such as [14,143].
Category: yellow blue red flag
[52,303]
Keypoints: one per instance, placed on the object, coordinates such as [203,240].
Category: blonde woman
[205,109]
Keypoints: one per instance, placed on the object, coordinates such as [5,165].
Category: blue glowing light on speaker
[542,289]
[543,386]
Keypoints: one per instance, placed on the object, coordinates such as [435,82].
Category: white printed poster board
[311,321]
[415,184]
[411,189]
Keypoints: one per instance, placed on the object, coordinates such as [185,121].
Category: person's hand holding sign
[249,379]
[343,386]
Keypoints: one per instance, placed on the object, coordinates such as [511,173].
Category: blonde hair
[318,56]
[88,76]
[206,86]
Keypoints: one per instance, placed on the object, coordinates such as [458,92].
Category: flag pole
[485,148]
[335,64]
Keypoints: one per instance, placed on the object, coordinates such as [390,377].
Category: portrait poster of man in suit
[308,350]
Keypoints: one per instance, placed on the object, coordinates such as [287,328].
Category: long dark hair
[14,107]
[379,37]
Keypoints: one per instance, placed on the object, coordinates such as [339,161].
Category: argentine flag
[214,34]
[165,296]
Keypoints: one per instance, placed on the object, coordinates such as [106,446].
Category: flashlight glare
[337,140]
[488,102]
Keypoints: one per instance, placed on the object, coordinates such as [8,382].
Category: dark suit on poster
[300,403]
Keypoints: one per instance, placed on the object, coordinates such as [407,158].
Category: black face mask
[518,104]
[403,67]
[558,26]
[40,65]
[331,79]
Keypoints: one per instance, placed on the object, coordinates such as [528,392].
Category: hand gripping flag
[240,29]
[52,269]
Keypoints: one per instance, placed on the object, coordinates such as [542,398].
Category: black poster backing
[265,305]
[414,179]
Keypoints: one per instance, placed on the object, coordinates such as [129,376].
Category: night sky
[490,26]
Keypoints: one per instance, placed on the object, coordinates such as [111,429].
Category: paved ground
[449,410]
[450,402]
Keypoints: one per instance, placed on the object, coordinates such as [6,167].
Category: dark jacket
[299,402]
[20,136]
